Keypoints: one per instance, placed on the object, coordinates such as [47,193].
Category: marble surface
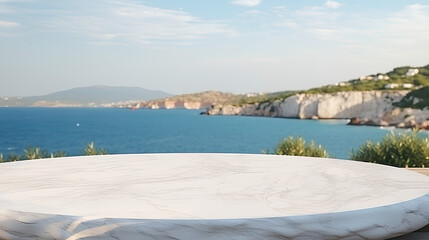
[210,196]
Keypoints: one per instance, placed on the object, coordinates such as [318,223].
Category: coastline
[368,108]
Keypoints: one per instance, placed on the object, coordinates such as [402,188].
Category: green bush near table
[31,153]
[296,146]
[13,157]
[90,149]
[395,149]
[35,153]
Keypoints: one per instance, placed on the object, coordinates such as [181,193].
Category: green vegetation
[395,149]
[35,153]
[90,149]
[58,154]
[207,96]
[31,153]
[397,75]
[13,157]
[269,97]
[415,99]
[399,150]
[298,147]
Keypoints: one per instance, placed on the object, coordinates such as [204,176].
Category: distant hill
[400,78]
[86,96]
[189,101]
[206,96]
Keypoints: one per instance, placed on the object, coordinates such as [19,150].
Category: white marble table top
[204,187]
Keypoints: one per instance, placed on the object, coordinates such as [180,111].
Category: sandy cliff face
[368,107]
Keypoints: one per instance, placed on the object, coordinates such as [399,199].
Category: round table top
[202,186]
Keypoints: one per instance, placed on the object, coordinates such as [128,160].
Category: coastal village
[410,73]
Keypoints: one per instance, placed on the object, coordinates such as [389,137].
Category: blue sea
[167,131]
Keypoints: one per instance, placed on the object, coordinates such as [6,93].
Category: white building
[412,72]
[342,84]
[383,77]
[407,85]
[391,86]
[365,78]
[254,94]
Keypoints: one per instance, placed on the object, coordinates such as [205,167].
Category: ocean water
[167,131]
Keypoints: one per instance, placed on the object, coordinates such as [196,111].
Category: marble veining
[209,196]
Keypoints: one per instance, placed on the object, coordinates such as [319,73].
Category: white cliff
[366,104]
[368,107]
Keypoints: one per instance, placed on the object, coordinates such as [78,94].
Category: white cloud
[129,21]
[324,33]
[8,24]
[7,6]
[407,26]
[392,30]
[332,4]
[417,7]
[247,3]
[252,12]
[286,23]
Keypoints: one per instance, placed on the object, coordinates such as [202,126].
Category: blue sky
[184,46]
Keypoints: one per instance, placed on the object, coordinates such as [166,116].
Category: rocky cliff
[364,107]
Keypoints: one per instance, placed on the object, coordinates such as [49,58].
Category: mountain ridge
[98,95]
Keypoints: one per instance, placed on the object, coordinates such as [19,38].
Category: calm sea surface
[166,131]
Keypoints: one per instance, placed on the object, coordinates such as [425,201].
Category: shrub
[395,149]
[35,153]
[13,157]
[90,149]
[424,71]
[1,158]
[298,147]
[58,154]
[401,70]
